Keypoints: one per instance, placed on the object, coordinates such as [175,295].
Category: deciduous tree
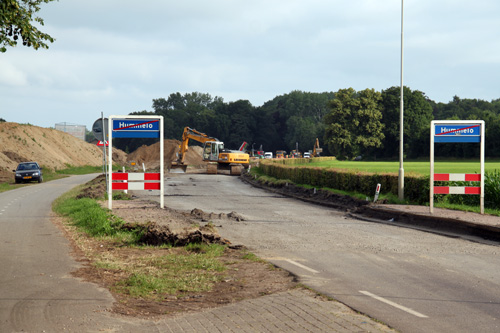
[17,23]
[353,125]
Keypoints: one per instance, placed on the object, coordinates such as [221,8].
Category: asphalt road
[411,280]
[37,291]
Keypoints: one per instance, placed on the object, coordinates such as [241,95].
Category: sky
[115,56]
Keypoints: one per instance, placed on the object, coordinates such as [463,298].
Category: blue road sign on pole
[457,133]
[136,128]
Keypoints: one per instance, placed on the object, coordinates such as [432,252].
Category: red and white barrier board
[457,177]
[135,181]
[137,186]
[457,190]
[136,176]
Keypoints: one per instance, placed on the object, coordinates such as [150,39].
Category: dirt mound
[154,234]
[94,189]
[150,155]
[205,217]
[51,148]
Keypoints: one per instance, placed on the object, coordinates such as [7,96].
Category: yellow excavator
[317,150]
[214,152]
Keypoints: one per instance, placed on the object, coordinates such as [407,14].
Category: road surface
[411,280]
[37,291]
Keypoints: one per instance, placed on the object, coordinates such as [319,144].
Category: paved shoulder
[298,310]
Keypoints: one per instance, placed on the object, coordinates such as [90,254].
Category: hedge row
[293,161]
[416,188]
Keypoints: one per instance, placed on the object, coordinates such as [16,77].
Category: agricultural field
[410,167]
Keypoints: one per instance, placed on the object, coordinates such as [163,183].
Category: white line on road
[396,305]
[301,266]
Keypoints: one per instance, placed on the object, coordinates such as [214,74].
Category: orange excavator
[214,153]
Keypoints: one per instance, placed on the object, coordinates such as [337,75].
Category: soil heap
[150,155]
[51,148]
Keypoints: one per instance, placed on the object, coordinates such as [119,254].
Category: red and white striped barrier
[135,181]
[135,176]
[457,190]
[457,177]
[137,186]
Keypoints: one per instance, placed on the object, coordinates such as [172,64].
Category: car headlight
[36,173]
[18,175]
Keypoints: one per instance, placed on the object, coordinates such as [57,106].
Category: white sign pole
[162,183]
[431,190]
[110,162]
[482,166]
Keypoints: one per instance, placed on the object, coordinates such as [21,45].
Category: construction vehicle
[214,153]
[316,150]
[280,153]
[295,154]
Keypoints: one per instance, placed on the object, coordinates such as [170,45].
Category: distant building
[78,131]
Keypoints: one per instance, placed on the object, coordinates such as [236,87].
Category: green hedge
[416,188]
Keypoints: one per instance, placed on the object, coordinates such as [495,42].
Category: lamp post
[401,178]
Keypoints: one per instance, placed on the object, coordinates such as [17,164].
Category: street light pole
[401,179]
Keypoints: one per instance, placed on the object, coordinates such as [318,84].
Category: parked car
[307,155]
[268,154]
[27,172]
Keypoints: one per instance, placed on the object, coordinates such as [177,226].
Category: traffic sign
[136,128]
[457,133]
[97,128]
[101,143]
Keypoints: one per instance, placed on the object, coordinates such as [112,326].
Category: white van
[268,154]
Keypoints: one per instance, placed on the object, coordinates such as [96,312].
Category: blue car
[27,172]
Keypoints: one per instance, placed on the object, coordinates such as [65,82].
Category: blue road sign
[137,128]
[457,133]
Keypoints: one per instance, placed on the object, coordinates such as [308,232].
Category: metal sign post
[136,127]
[457,131]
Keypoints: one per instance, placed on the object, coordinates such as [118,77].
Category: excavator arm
[191,134]
[317,150]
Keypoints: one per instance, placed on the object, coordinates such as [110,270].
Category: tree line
[348,123]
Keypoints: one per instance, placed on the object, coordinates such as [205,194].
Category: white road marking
[301,266]
[396,305]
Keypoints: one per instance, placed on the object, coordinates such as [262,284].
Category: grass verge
[149,274]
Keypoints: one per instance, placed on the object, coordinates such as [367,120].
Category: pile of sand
[150,155]
[51,148]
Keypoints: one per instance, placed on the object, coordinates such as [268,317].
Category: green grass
[153,277]
[87,215]
[81,170]
[410,167]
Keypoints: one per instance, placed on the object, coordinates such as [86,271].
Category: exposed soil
[150,155]
[51,148]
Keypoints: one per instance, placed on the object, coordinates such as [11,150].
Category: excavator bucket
[177,168]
